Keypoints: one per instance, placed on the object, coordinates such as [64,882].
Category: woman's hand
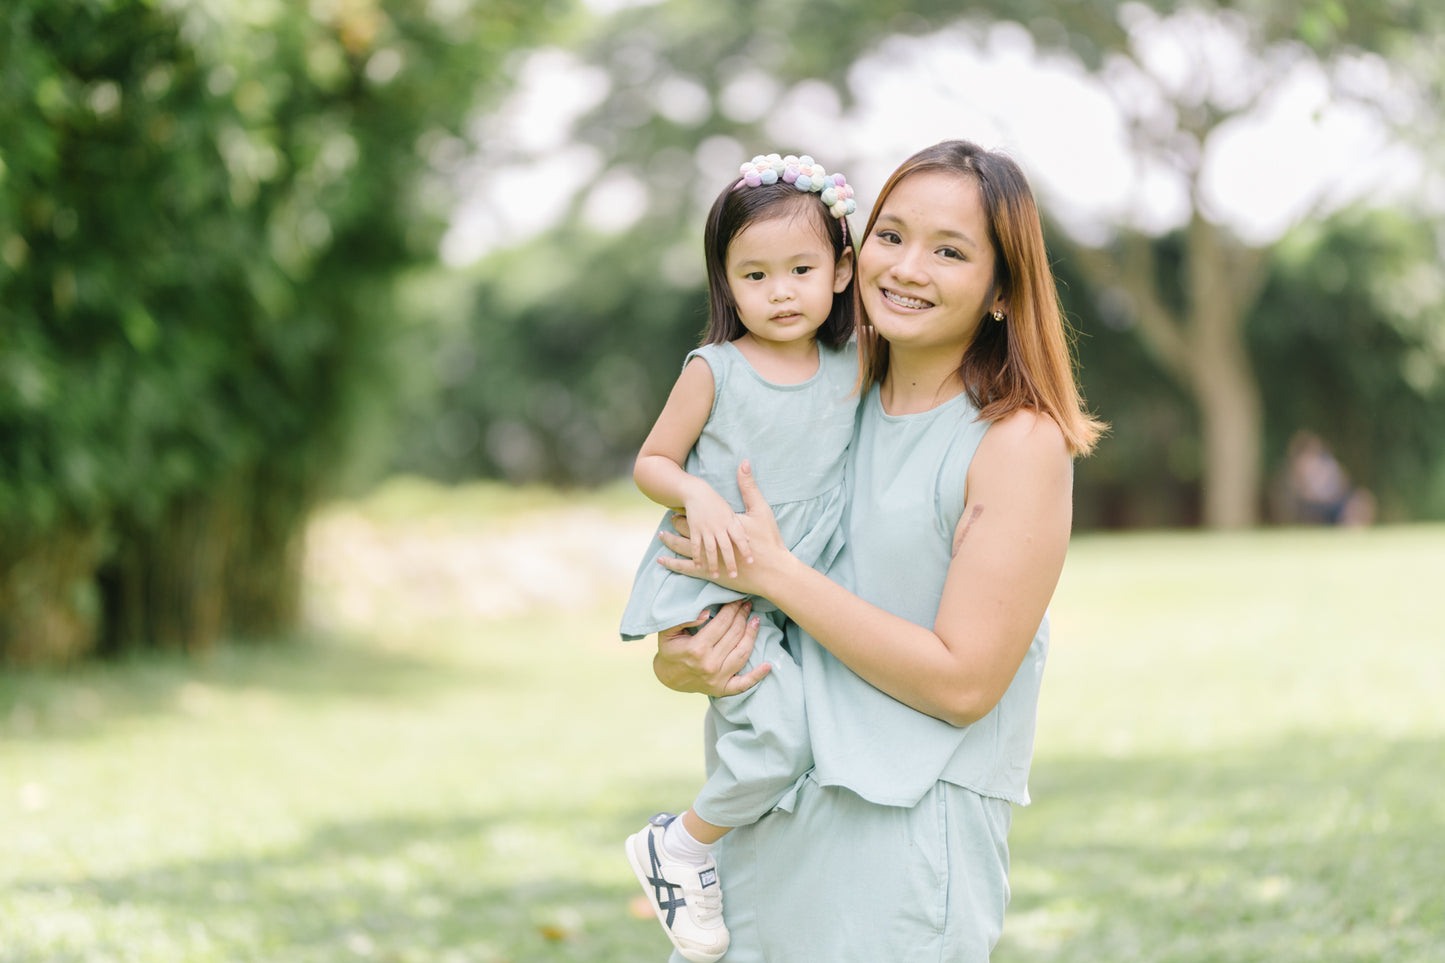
[709,660]
[765,553]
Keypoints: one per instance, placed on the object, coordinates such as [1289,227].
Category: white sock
[680,845]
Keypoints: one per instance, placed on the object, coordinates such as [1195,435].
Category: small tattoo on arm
[963,532]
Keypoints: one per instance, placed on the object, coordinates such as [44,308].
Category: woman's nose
[908,265]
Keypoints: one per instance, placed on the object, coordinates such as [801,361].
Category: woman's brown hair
[1024,361]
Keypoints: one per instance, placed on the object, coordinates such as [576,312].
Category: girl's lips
[903,301]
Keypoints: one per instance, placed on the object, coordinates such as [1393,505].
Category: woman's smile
[905,301]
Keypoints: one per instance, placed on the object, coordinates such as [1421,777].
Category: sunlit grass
[1238,759]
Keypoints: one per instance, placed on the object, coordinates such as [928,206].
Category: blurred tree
[1349,335]
[1356,305]
[202,210]
[686,82]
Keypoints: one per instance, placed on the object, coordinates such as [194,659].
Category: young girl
[773,382]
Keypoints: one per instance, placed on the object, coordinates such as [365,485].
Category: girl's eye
[754,275]
[802,269]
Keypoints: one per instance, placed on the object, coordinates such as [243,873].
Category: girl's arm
[659,474]
[1009,552]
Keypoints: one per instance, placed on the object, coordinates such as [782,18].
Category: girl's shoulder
[716,355]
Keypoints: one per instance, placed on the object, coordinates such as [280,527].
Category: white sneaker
[687,899]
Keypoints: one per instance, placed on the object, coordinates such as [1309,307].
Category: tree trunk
[164,586]
[48,606]
[1231,423]
[1203,349]
[263,574]
[1223,281]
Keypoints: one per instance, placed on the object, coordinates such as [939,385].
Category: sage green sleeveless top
[906,476]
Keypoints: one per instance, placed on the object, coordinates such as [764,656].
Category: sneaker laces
[707,902]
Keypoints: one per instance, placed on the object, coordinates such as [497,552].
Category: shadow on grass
[484,889]
[1312,848]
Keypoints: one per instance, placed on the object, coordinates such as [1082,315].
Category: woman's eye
[888,237]
[949,252]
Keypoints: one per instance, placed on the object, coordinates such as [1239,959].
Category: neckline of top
[818,349]
[877,401]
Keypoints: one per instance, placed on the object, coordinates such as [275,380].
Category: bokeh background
[258,254]
[329,331]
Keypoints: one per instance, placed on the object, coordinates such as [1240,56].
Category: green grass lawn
[1240,758]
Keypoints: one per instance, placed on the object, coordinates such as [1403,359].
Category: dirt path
[361,573]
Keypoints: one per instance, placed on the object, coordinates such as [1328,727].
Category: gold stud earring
[998,315]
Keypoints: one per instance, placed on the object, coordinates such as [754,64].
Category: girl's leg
[757,742]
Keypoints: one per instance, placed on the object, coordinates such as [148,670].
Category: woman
[923,645]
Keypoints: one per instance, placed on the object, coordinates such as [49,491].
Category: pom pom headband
[804,174]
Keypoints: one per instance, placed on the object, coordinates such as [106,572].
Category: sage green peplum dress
[796,437]
[894,847]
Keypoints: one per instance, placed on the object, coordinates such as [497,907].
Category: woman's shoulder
[1024,439]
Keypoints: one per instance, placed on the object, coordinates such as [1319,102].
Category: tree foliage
[202,206]
[1191,297]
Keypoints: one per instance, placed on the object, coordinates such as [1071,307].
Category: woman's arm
[1009,552]
[659,474]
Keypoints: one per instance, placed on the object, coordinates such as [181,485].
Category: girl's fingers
[725,549]
[709,546]
[740,539]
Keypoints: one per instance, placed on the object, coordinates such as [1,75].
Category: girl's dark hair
[736,209]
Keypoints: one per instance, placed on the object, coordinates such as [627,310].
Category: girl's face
[926,273]
[783,276]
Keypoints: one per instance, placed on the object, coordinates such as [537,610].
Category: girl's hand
[765,553]
[713,530]
[709,660]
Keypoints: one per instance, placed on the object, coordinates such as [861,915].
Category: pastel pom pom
[805,174]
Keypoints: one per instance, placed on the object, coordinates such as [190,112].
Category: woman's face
[926,273]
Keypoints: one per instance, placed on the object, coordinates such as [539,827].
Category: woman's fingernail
[754,622]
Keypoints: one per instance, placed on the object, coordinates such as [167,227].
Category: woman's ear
[843,272]
[1000,304]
